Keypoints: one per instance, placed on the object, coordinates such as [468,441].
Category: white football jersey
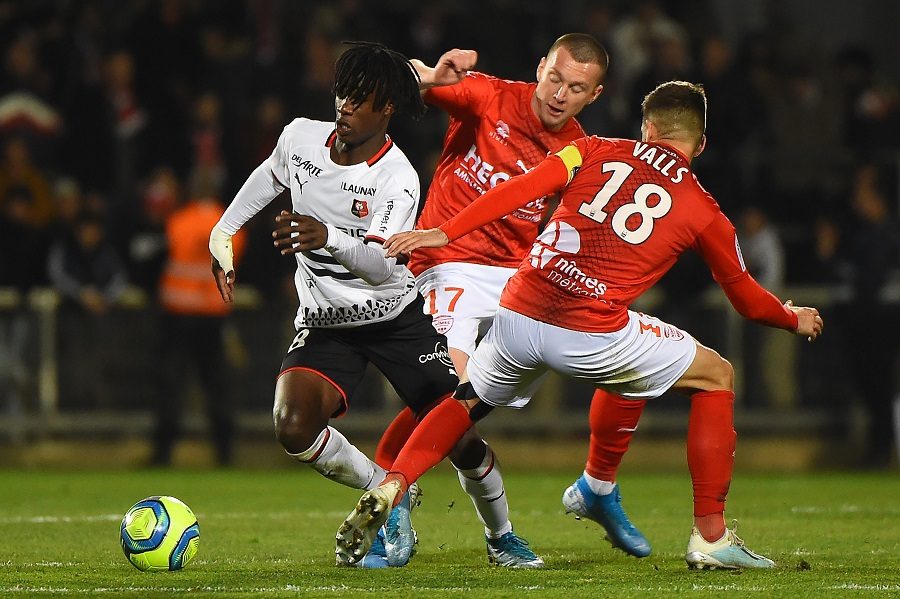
[369,201]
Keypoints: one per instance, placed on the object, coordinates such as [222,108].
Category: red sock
[613,421]
[710,454]
[432,440]
[394,437]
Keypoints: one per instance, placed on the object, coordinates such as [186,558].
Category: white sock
[484,485]
[334,457]
[600,487]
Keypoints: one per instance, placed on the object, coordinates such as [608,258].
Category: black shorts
[407,350]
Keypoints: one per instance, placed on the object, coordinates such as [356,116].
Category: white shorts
[462,299]
[642,360]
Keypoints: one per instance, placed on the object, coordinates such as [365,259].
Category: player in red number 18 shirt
[628,209]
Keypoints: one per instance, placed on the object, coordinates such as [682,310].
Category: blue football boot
[377,555]
[606,510]
[400,537]
[512,551]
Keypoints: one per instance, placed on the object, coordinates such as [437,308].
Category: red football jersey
[621,224]
[628,209]
[493,135]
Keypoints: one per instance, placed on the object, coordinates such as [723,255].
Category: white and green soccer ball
[160,533]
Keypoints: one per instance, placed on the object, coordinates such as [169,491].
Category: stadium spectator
[764,257]
[208,159]
[147,244]
[566,309]
[870,109]
[23,247]
[19,172]
[873,253]
[192,327]
[130,120]
[632,37]
[88,273]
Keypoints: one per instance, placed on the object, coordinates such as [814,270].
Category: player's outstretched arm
[407,241]
[550,176]
[450,68]
[809,321]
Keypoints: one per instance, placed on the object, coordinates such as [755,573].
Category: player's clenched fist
[296,233]
[453,66]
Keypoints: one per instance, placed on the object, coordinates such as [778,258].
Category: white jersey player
[351,188]
[368,201]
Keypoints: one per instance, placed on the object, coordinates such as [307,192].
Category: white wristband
[221,249]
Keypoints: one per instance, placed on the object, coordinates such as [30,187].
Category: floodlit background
[112,113]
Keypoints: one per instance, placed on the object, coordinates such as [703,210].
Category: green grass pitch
[270,534]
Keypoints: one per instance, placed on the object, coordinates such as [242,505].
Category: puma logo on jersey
[299,183]
[306,165]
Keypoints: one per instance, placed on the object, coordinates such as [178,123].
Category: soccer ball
[160,533]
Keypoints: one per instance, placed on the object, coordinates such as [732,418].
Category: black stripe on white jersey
[311,257]
[321,272]
[322,259]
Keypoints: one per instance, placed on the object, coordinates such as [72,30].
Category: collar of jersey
[388,143]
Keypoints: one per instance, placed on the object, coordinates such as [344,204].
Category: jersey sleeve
[278,162]
[468,97]
[396,209]
[550,176]
[263,185]
[719,247]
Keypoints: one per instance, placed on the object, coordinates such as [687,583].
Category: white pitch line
[290,588]
[852,586]
[335,515]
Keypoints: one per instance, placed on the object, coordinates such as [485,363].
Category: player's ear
[389,109]
[648,130]
[596,94]
[540,68]
[701,147]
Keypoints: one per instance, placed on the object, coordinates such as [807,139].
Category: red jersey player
[628,209]
[497,129]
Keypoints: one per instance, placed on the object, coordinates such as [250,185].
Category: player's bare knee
[296,428]
[722,374]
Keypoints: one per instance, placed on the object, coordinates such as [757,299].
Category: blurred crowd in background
[113,114]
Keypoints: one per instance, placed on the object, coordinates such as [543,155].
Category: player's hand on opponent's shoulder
[809,322]
[407,241]
[453,65]
[296,233]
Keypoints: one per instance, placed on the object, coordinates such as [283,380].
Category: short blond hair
[584,48]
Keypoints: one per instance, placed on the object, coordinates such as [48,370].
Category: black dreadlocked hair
[371,68]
